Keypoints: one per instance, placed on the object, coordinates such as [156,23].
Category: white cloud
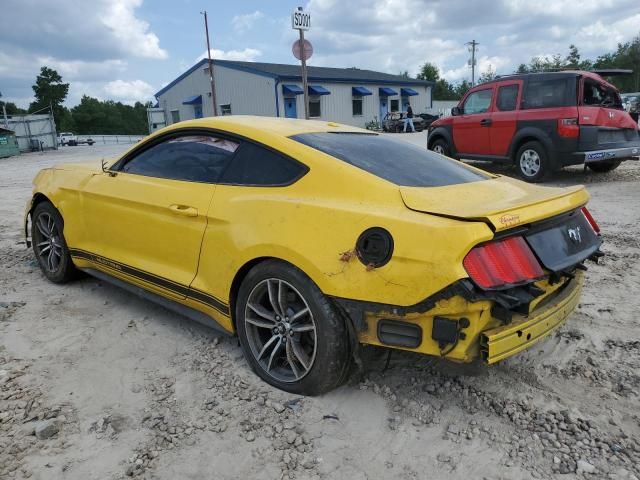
[242,23]
[245,55]
[129,91]
[132,33]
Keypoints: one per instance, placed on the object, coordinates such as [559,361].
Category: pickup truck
[71,139]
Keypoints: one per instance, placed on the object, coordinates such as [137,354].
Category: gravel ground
[96,383]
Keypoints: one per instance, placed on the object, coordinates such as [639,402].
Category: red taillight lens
[505,262]
[591,220]
[568,127]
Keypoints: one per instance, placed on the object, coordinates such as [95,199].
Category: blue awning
[357,91]
[387,92]
[408,92]
[318,90]
[292,90]
[196,99]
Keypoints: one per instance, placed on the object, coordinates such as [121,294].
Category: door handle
[486,122]
[185,210]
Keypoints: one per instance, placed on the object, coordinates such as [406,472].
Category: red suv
[540,122]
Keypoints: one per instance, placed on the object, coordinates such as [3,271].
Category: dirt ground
[126,388]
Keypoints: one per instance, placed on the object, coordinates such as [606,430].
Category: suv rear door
[601,112]
[471,127]
[504,116]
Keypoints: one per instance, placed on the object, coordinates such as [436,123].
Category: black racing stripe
[191,293]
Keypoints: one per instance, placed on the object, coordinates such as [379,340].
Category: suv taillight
[591,220]
[501,263]
[568,127]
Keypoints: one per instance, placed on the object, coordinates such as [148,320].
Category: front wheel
[442,147]
[532,162]
[290,334]
[604,167]
[49,244]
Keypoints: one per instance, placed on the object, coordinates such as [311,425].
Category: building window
[356,106]
[395,105]
[175,116]
[314,107]
[225,109]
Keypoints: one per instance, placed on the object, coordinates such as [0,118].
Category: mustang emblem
[574,234]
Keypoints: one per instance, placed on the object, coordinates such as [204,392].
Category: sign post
[301,21]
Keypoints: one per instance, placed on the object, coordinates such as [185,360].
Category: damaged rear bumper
[526,330]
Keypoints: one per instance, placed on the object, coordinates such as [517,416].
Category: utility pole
[213,86]
[304,76]
[472,47]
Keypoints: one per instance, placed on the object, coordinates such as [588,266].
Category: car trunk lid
[501,202]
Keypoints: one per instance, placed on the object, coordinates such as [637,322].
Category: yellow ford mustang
[308,239]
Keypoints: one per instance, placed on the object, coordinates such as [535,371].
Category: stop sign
[308,50]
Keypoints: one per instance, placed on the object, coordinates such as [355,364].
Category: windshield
[394,160]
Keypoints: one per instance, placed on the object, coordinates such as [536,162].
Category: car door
[504,116]
[145,219]
[471,127]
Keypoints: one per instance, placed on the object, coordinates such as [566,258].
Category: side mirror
[456,111]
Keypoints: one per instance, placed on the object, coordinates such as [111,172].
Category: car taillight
[504,262]
[591,220]
[568,127]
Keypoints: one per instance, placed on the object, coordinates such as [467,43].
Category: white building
[345,95]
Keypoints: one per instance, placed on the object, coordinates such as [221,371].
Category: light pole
[213,87]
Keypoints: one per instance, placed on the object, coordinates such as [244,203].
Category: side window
[507,98]
[256,165]
[195,158]
[546,93]
[314,107]
[478,102]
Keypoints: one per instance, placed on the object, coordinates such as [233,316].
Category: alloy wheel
[530,162]
[281,330]
[439,149]
[48,242]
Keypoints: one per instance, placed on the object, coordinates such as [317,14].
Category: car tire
[310,361]
[532,162]
[398,129]
[604,167]
[49,244]
[441,146]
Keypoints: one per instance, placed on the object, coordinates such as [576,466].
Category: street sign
[307,50]
[300,20]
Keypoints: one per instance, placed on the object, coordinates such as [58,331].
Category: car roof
[283,127]
[549,76]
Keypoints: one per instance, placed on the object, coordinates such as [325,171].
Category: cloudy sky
[127,50]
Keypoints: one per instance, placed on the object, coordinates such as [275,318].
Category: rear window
[549,92]
[394,160]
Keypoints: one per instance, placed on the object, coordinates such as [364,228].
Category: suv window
[396,161]
[546,93]
[256,165]
[507,98]
[477,102]
[195,158]
[595,93]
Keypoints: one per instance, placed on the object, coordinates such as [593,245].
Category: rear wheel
[604,167]
[49,244]
[289,332]
[532,162]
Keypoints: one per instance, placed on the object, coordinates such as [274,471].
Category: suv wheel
[604,167]
[291,335]
[532,162]
[442,147]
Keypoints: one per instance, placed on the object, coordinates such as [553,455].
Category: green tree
[573,58]
[488,75]
[462,88]
[430,72]
[12,108]
[49,91]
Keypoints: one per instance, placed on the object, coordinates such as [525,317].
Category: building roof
[315,74]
